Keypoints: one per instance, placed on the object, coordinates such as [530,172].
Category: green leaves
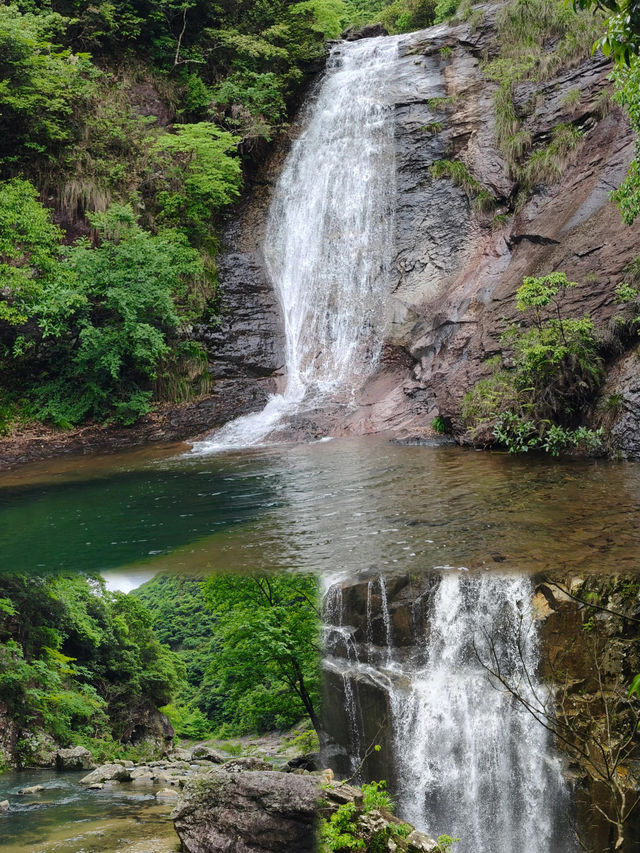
[83,653]
[41,85]
[265,673]
[555,368]
[89,323]
[201,174]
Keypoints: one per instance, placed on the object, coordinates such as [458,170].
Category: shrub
[200,174]
[556,369]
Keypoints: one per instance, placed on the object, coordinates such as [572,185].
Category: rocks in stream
[76,758]
[107,773]
[31,790]
[206,753]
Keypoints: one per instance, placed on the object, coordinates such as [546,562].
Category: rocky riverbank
[239,804]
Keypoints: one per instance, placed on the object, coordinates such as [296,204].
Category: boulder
[247,812]
[303,762]
[181,755]
[419,842]
[9,735]
[167,794]
[207,753]
[107,773]
[4,806]
[76,758]
[32,789]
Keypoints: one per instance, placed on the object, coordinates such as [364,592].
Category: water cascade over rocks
[466,759]
[329,239]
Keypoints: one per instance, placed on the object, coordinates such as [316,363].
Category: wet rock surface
[455,270]
[367,32]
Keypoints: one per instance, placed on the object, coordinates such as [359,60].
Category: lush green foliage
[79,662]
[250,647]
[196,175]
[184,624]
[82,328]
[341,831]
[42,87]
[555,370]
[627,83]
[265,673]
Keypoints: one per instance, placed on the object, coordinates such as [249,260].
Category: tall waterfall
[329,238]
[469,761]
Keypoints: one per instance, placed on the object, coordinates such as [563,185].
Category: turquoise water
[352,504]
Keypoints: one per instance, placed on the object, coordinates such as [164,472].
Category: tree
[199,174]
[82,328]
[266,666]
[42,85]
[78,661]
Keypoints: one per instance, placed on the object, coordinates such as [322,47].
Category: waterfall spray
[329,239]
[468,760]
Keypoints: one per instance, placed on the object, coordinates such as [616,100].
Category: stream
[67,818]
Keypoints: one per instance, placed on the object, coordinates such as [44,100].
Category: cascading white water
[470,761]
[329,238]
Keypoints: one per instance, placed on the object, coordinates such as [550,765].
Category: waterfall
[328,240]
[468,760]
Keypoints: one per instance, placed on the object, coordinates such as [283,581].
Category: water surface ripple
[346,505]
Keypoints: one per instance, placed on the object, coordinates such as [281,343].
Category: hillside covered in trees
[80,665]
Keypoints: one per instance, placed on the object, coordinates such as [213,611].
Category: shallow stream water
[67,818]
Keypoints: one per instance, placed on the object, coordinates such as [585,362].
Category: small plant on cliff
[553,370]
[344,831]
[339,831]
[462,177]
[439,425]
[445,842]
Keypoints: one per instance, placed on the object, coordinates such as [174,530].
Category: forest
[85,666]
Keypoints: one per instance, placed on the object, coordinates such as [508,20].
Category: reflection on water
[345,505]
[66,818]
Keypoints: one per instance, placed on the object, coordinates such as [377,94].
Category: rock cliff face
[456,270]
